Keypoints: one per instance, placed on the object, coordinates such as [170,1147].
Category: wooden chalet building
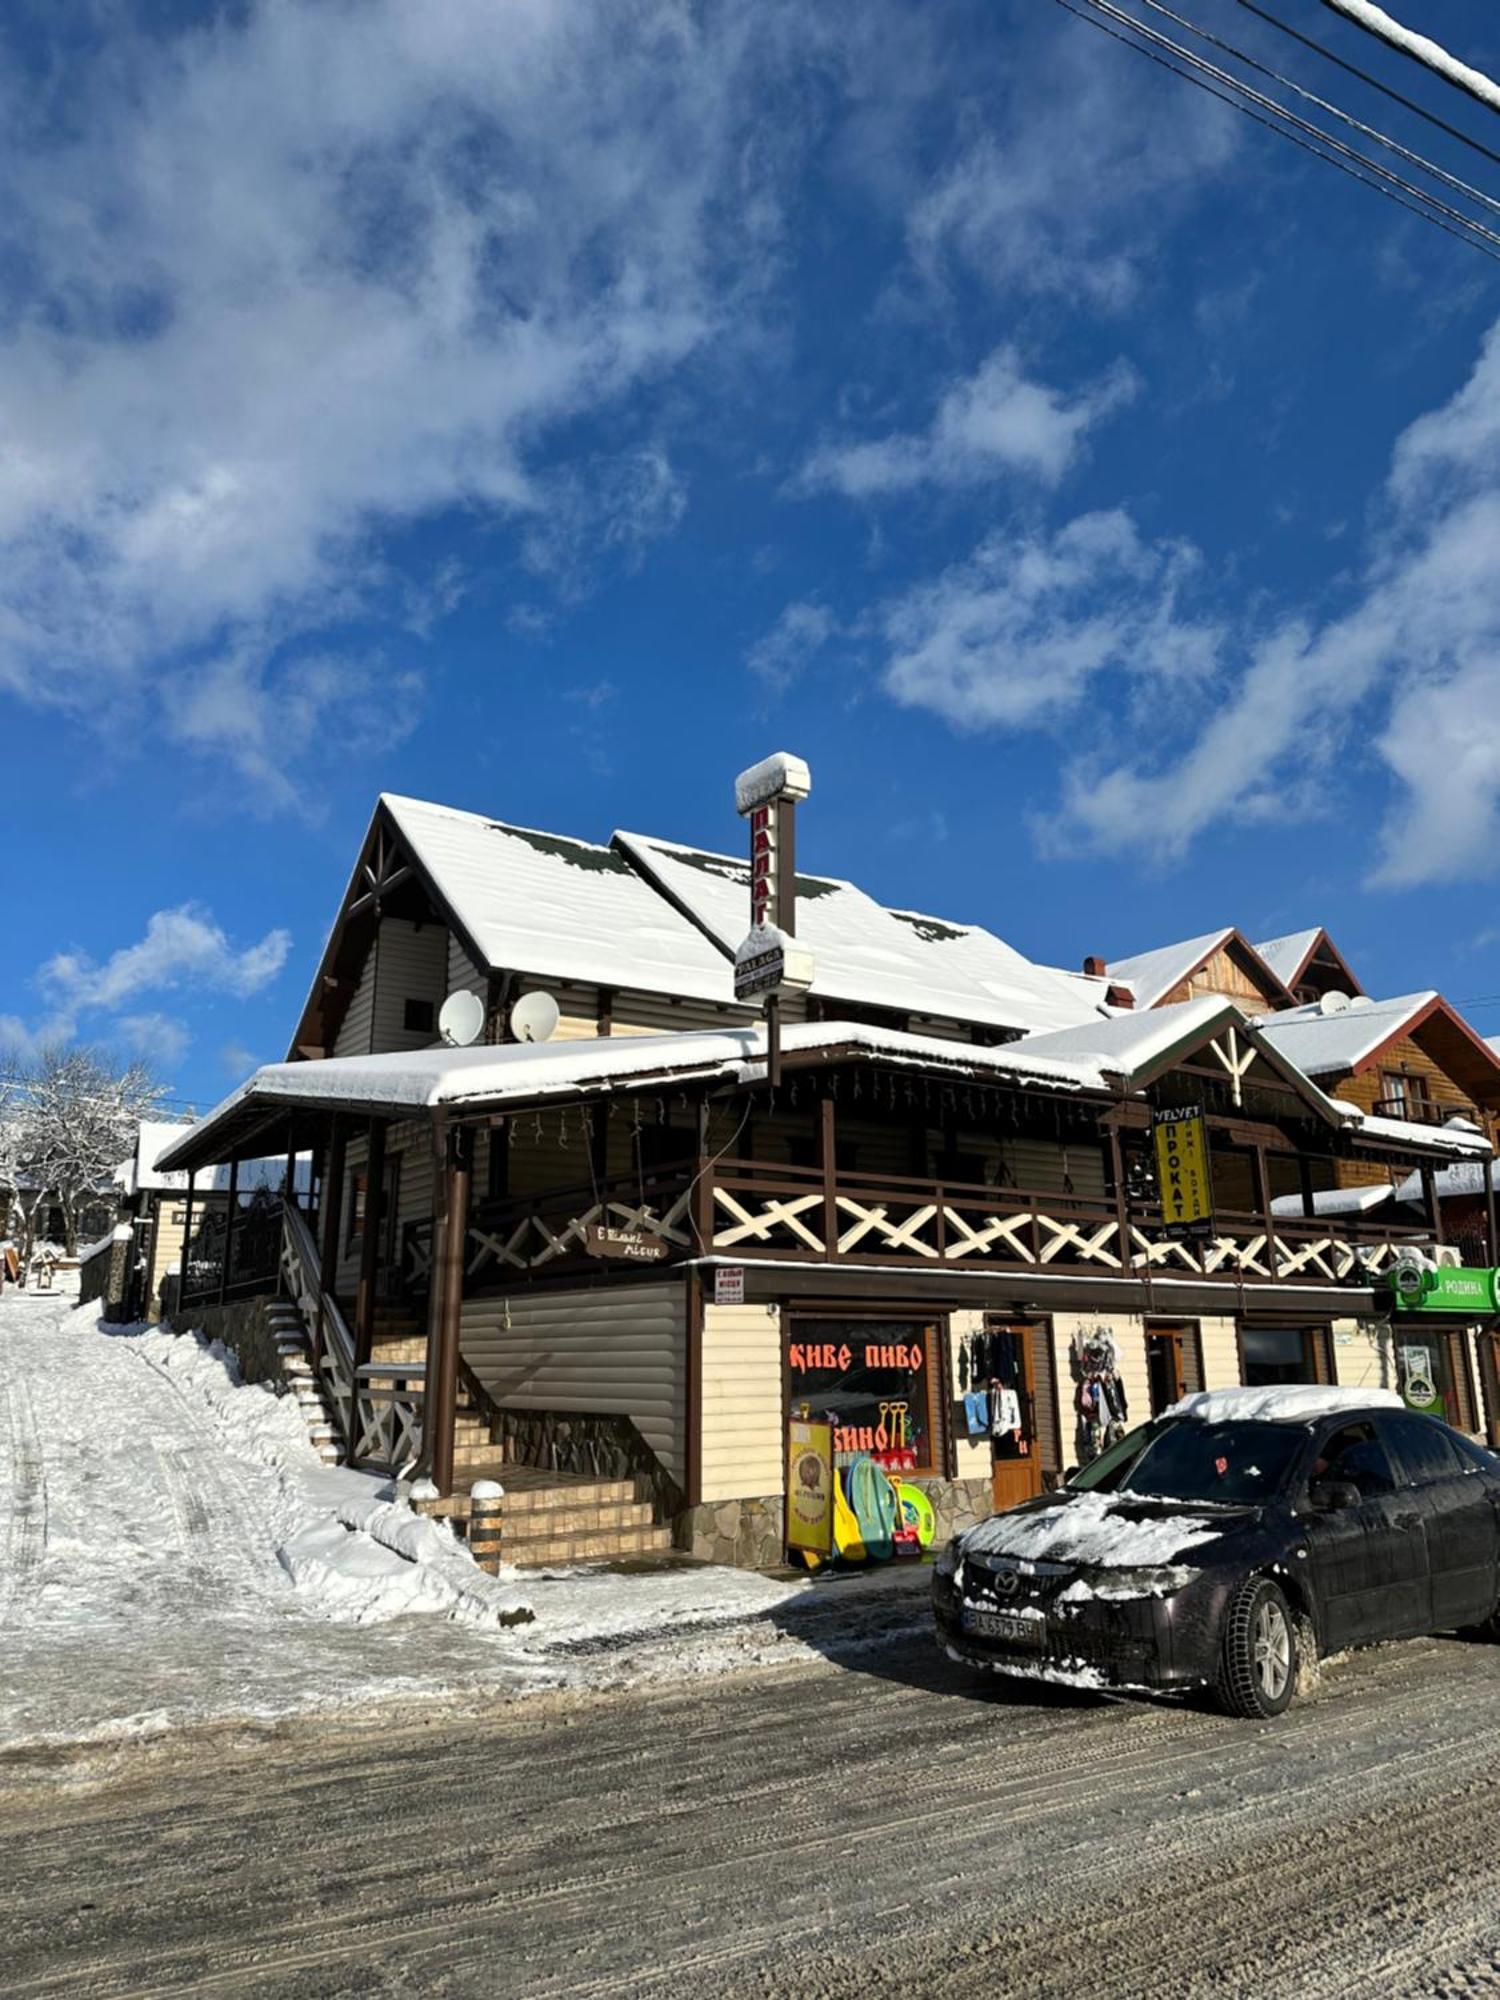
[604,1267]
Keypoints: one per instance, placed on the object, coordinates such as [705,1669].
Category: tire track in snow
[26,1537]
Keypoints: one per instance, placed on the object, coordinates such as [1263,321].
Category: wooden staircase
[287,1331]
[552,1518]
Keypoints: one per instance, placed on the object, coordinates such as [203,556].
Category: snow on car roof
[1286,1402]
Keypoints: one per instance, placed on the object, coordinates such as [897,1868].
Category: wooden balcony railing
[756,1209]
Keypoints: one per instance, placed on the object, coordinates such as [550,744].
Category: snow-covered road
[174,1552]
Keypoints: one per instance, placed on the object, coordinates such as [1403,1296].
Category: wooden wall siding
[1219,1340]
[463,974]
[355,1154]
[166,1250]
[742,1435]
[1370,1085]
[1362,1355]
[1224,976]
[356,1031]
[412,965]
[617,1350]
[1234,1181]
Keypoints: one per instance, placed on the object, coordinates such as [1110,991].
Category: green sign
[1458,1290]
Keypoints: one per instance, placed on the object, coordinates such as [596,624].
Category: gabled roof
[1151,975]
[1290,956]
[1350,1040]
[866,954]
[561,908]
[1134,1048]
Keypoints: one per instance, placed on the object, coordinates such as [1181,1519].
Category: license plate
[1006,1625]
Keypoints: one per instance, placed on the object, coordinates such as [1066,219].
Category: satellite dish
[462,1019]
[1361,1000]
[534,1017]
[1334,1002]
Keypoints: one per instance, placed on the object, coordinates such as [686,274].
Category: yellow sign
[809,1486]
[1183,1180]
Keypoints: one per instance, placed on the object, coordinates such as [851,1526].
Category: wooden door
[1016,1458]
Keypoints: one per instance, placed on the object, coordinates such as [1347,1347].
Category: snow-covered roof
[1152,974]
[1337,1201]
[152,1141]
[1466,1177]
[1287,955]
[561,908]
[145,1174]
[1321,1044]
[867,954]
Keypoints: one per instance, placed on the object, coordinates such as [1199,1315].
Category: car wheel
[1258,1663]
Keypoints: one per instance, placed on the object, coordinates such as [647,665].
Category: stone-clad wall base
[244,1327]
[748,1534]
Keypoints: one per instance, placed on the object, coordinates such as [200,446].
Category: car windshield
[1190,1460]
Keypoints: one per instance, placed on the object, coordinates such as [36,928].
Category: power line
[1421,49]
[1364,76]
[1417,160]
[1332,151]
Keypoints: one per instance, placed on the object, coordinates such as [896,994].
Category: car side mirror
[1333,1496]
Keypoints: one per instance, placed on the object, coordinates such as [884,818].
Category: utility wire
[1416,200]
[1421,48]
[1364,76]
[1417,160]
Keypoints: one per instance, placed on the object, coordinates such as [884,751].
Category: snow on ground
[172,1551]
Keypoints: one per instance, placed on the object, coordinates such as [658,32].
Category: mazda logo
[1007,1581]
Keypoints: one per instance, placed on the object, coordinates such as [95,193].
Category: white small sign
[769,961]
[729,1284]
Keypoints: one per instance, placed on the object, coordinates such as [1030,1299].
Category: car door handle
[1408,1521]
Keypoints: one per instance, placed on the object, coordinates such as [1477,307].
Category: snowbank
[1297,1402]
[353,1553]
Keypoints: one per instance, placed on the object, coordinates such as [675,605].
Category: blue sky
[552,408]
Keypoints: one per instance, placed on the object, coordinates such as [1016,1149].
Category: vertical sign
[809,1486]
[1182,1170]
[768,963]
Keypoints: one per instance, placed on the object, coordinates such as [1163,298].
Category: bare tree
[67,1120]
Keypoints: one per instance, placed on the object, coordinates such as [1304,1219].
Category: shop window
[1274,1354]
[875,1378]
[1432,1373]
[418,1018]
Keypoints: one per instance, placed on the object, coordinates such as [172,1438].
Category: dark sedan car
[1210,1548]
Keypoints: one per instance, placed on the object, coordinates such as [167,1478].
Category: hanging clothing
[977,1413]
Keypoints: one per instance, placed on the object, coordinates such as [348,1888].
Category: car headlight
[950,1557]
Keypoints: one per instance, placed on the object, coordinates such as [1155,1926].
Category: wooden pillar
[1263,1193]
[693,1392]
[369,1246]
[442,1390]
[229,1219]
[701,1205]
[289,1178]
[333,1203]
[187,1236]
[1122,1198]
[1434,1206]
[599,1143]
[828,1161]
[1304,1175]
[1491,1232]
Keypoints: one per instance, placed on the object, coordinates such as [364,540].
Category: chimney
[1095,968]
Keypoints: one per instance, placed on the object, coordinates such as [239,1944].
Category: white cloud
[996,420]
[156,1038]
[607,512]
[1016,636]
[237,1060]
[1081,163]
[181,948]
[305,272]
[802,630]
